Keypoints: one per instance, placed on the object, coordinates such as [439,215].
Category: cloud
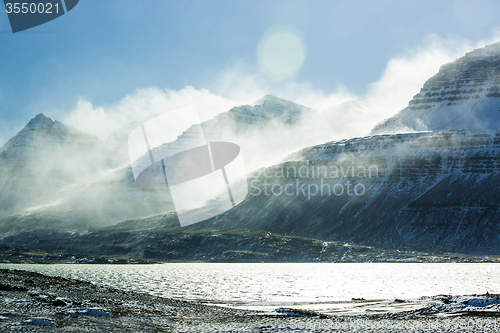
[238,82]
[241,84]
[305,94]
[103,120]
[404,76]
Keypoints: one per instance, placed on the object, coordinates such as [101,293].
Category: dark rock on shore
[32,302]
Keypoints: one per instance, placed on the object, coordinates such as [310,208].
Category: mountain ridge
[434,191]
[464,94]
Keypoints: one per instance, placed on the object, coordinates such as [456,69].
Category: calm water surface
[264,285]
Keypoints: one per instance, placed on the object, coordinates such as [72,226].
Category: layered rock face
[435,191]
[464,94]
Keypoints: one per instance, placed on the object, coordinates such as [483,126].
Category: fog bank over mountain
[52,169]
[239,84]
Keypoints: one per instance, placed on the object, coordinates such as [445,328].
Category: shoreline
[36,302]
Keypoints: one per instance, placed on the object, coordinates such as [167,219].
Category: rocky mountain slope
[425,191]
[464,94]
[433,192]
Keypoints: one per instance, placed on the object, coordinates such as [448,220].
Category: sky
[106,63]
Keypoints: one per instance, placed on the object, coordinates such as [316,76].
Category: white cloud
[103,120]
[405,75]
[241,84]
[305,94]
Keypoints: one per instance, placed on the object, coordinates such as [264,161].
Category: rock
[40,322]
[59,302]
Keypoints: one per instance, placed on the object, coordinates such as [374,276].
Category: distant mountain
[54,176]
[266,131]
[464,94]
[41,159]
[264,111]
[41,132]
[272,127]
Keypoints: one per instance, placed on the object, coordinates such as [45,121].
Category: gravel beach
[31,302]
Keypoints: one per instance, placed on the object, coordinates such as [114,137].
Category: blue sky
[105,54]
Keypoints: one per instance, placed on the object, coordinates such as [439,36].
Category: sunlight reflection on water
[287,283]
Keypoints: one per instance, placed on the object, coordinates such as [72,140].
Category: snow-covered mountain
[264,111]
[433,191]
[52,175]
[42,132]
[272,127]
[464,94]
[41,159]
[266,130]
[51,170]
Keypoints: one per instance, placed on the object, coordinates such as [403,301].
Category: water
[265,286]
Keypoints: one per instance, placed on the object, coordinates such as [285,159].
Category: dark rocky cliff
[428,191]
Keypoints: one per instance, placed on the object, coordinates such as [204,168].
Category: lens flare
[281,53]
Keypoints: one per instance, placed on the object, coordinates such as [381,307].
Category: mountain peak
[464,94]
[488,50]
[41,116]
[40,120]
[272,101]
[41,130]
[281,107]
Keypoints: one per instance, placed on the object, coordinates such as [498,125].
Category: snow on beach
[34,302]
